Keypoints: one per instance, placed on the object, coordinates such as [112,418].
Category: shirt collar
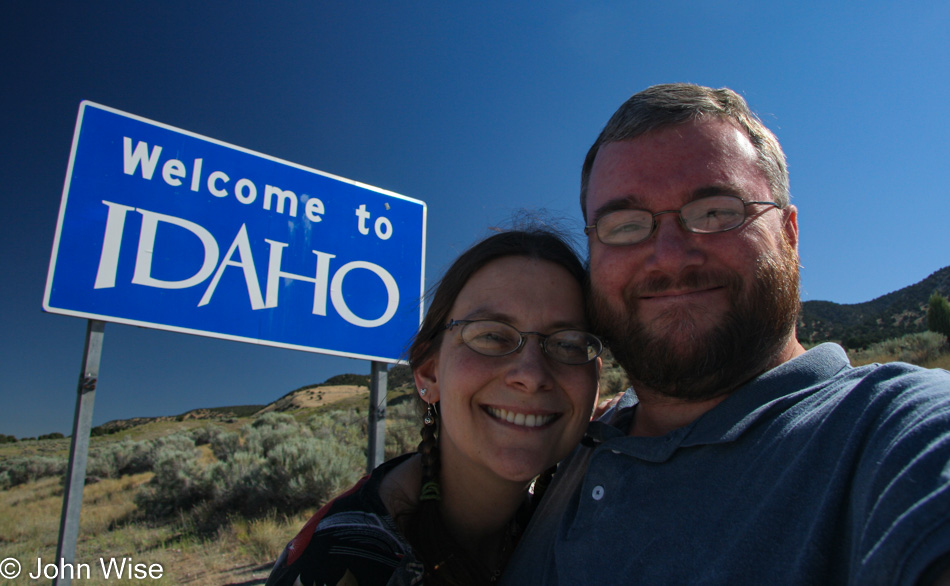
[728,420]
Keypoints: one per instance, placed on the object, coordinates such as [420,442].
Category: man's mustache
[694,280]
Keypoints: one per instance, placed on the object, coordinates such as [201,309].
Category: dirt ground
[253,575]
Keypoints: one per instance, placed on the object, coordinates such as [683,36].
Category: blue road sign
[163,228]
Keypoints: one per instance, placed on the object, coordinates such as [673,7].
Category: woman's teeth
[530,420]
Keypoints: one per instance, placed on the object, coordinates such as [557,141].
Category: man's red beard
[678,357]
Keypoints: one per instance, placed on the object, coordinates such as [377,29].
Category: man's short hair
[664,105]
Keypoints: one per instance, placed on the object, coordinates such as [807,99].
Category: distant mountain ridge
[860,324]
[853,325]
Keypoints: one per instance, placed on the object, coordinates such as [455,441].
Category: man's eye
[629,228]
[721,213]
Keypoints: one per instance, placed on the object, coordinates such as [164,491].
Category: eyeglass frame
[679,215]
[542,338]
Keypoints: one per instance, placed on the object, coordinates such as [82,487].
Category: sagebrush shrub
[225,445]
[178,483]
[279,466]
[403,426]
[613,381]
[206,434]
[23,469]
[121,458]
[914,348]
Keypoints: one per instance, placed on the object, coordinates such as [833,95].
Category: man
[742,458]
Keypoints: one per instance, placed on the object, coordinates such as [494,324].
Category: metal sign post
[376,452]
[79,448]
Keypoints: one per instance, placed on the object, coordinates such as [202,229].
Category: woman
[508,376]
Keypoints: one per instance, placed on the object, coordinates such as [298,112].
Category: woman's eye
[493,338]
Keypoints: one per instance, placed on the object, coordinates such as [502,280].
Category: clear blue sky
[478,109]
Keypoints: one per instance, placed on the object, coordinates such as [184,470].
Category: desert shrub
[914,348]
[235,484]
[205,435]
[938,315]
[613,381]
[309,471]
[342,426]
[301,473]
[100,465]
[280,466]
[270,430]
[180,441]
[23,469]
[225,445]
[178,483]
[403,424]
[121,458]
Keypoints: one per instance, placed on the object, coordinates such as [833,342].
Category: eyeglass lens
[493,338]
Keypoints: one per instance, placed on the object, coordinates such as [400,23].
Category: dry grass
[240,553]
[939,362]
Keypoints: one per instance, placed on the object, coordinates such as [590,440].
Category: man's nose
[674,247]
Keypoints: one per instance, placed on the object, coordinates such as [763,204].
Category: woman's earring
[429,418]
[423,391]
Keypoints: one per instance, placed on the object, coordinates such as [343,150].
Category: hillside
[858,325]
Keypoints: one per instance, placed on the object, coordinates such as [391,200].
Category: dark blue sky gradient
[478,109]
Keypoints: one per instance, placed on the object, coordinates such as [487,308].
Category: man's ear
[791,226]
[426,377]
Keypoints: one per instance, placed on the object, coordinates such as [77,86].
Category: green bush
[120,458]
[51,436]
[613,381]
[270,430]
[205,435]
[938,315]
[178,483]
[403,424]
[281,466]
[225,445]
[914,348]
[23,469]
[341,426]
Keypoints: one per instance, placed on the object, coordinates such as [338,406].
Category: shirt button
[597,493]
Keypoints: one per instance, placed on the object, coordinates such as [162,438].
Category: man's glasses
[707,215]
[495,338]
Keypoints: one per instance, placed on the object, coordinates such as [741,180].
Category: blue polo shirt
[813,473]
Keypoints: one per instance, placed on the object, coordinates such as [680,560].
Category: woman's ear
[426,377]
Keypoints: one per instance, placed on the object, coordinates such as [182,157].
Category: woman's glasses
[495,338]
